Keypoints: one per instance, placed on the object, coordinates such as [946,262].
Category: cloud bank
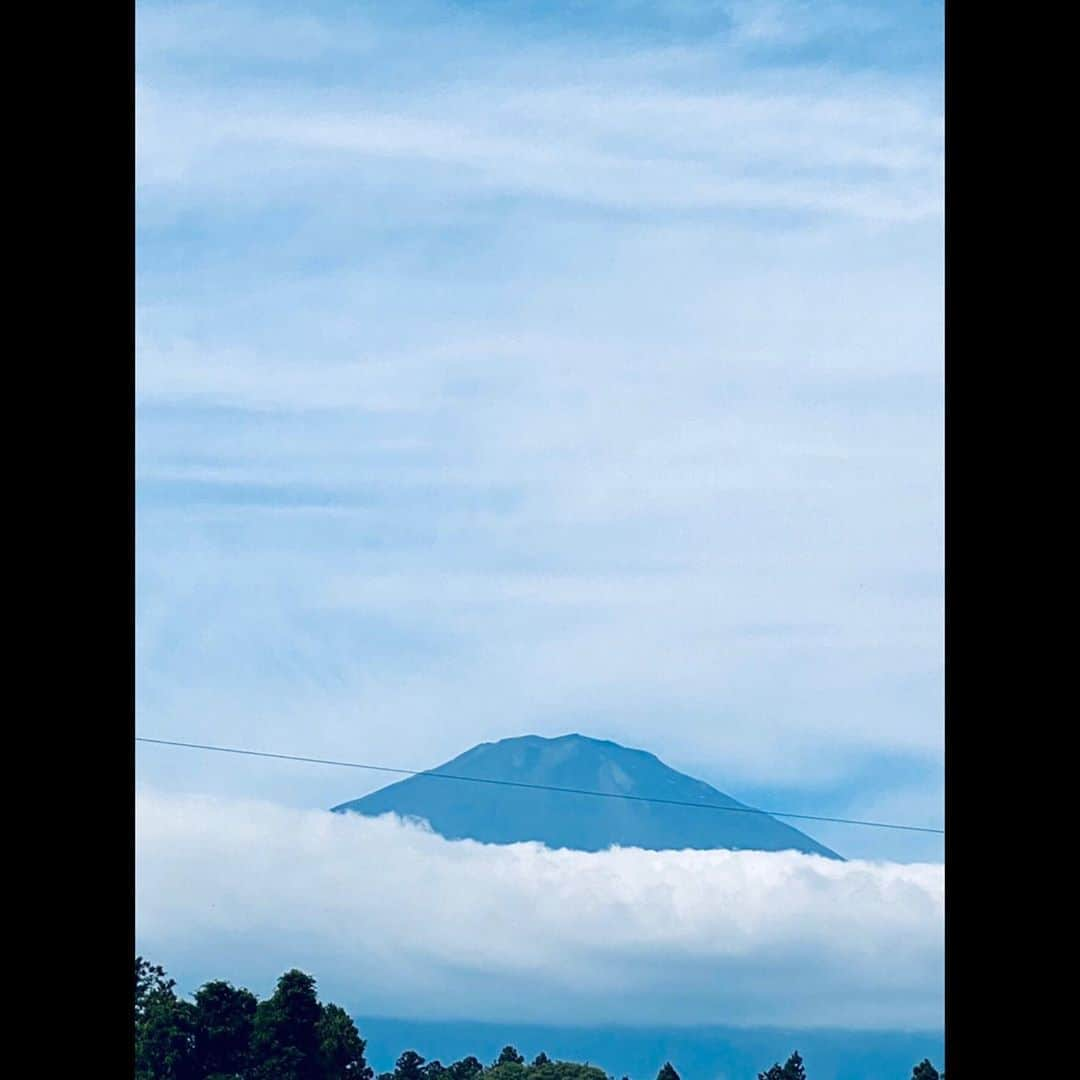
[393,920]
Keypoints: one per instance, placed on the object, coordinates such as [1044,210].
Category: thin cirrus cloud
[397,921]
[631,125]
[866,153]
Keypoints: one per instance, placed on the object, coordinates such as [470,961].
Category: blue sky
[509,368]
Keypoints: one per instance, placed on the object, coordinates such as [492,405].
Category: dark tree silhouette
[224,1020]
[285,1039]
[341,1050]
[792,1069]
[150,982]
[226,1033]
[164,1027]
[465,1069]
[410,1066]
[925,1071]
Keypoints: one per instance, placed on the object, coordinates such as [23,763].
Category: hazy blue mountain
[707,1053]
[496,814]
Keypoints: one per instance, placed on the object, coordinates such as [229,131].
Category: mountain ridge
[503,813]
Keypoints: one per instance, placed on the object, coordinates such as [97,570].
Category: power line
[539,787]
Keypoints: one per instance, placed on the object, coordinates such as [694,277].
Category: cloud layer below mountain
[394,920]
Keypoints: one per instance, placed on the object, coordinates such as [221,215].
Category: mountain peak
[495,814]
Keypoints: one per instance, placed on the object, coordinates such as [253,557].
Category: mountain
[498,814]
[640,1050]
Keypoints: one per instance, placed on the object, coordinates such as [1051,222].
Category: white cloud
[871,152]
[394,920]
[622,126]
[664,502]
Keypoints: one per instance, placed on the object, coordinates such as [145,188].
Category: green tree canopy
[285,1039]
[226,1033]
[164,1027]
[150,982]
[341,1050]
[465,1069]
[563,1070]
[512,1070]
[410,1066]
[165,1041]
[224,1020]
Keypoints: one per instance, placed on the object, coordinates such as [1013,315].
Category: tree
[509,1056]
[667,1072]
[341,1050]
[164,1027]
[925,1071]
[285,1037]
[466,1069]
[792,1069]
[410,1066]
[151,984]
[165,1041]
[436,1070]
[224,1019]
[540,1059]
[550,1070]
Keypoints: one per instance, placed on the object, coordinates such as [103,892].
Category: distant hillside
[698,1053]
[495,814]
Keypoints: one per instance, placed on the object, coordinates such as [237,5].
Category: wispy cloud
[503,372]
[869,155]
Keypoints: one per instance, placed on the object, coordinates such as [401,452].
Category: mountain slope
[496,814]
